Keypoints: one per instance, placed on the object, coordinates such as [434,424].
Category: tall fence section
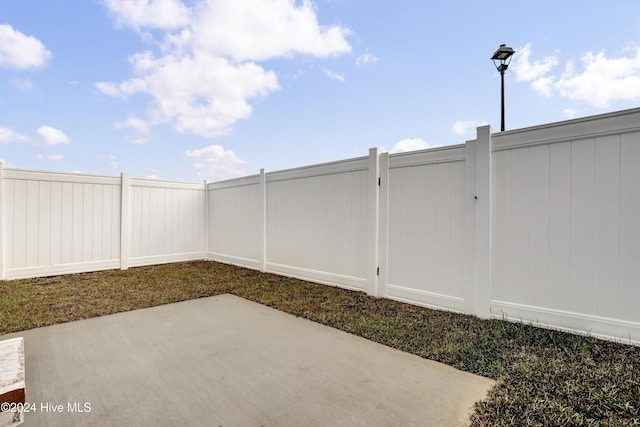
[539,224]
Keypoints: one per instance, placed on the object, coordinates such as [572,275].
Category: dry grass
[544,377]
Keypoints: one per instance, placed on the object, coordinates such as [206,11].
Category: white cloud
[140,140]
[6,164]
[527,71]
[366,58]
[535,72]
[109,89]
[258,30]
[570,112]
[20,51]
[111,160]
[50,157]
[23,85]
[601,81]
[205,76]
[215,163]
[410,144]
[142,128]
[166,14]
[333,75]
[7,136]
[133,123]
[202,95]
[543,85]
[466,127]
[153,175]
[53,136]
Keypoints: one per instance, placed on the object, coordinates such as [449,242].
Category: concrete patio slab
[226,361]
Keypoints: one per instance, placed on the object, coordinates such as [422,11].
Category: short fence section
[537,224]
[166,222]
[310,223]
[316,223]
[57,223]
[236,221]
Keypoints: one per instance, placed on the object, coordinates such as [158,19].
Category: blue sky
[214,89]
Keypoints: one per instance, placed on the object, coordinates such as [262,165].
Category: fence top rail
[38,175]
[449,153]
[341,166]
[618,122]
[235,182]
[157,183]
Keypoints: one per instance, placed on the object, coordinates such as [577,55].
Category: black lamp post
[501,59]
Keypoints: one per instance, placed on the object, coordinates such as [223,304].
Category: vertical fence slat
[383,278]
[206,220]
[373,215]
[470,206]
[263,220]
[124,221]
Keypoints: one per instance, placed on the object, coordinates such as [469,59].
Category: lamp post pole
[501,59]
[502,99]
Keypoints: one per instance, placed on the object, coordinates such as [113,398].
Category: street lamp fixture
[501,59]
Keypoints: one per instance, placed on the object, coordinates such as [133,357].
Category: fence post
[383,278]
[124,221]
[206,220]
[470,211]
[373,222]
[1,224]
[263,220]
[483,234]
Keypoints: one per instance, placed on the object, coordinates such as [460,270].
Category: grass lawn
[543,377]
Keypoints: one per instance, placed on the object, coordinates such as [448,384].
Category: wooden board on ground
[12,381]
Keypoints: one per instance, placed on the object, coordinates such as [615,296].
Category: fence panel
[235,215]
[55,223]
[563,234]
[317,223]
[167,222]
[427,227]
[629,228]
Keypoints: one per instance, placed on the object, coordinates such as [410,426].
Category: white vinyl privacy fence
[539,224]
[312,222]
[56,223]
